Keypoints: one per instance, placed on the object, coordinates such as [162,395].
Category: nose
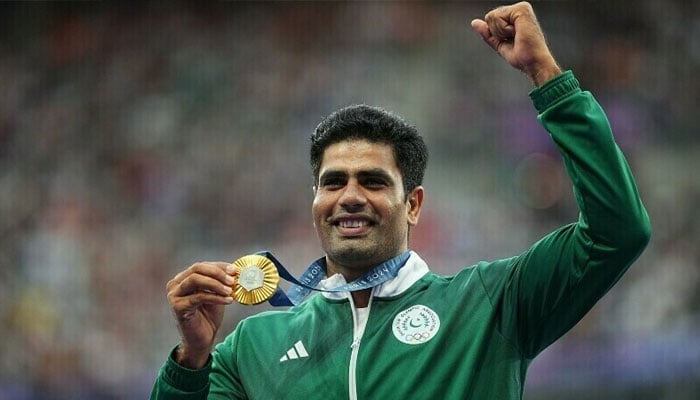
[353,197]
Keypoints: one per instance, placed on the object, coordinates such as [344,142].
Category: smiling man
[362,209]
[412,334]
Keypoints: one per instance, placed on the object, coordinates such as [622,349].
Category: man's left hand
[513,31]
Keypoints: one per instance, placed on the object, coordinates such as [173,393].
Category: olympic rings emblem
[416,325]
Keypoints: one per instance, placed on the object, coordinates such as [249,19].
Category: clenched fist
[513,32]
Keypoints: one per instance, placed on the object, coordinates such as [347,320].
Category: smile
[353,223]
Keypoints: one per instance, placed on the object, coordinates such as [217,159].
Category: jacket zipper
[358,330]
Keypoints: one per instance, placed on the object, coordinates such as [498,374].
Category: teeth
[352,223]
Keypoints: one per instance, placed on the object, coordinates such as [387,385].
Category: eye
[374,182]
[332,182]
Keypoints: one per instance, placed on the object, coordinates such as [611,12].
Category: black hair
[375,125]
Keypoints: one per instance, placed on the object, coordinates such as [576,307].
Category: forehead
[358,154]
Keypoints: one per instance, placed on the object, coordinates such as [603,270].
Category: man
[418,335]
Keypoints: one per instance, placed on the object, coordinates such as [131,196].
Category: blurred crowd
[136,140]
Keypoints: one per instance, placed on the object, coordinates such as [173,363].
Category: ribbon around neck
[316,272]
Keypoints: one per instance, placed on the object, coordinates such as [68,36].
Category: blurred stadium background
[137,139]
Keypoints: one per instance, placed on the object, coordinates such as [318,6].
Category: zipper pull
[355,343]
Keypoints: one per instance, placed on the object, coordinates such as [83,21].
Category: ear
[314,190]
[415,203]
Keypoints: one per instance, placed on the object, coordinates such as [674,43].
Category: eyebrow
[332,174]
[376,173]
[370,173]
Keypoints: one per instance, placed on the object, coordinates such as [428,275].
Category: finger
[221,271]
[482,28]
[184,306]
[200,277]
[196,283]
[500,24]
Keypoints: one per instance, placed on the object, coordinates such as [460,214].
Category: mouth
[352,223]
[352,226]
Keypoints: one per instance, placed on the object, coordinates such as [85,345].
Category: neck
[350,273]
[361,297]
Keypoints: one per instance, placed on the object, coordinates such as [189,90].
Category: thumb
[482,28]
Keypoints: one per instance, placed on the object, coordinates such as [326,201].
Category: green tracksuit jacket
[468,336]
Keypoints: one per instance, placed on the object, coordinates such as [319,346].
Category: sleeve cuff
[554,90]
[185,379]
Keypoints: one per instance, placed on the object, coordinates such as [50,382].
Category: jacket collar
[414,269]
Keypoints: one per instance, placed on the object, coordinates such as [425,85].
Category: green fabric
[494,316]
[177,382]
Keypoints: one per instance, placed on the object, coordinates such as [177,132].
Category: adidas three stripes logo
[297,351]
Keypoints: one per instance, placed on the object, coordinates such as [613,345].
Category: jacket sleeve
[557,281]
[218,379]
[175,382]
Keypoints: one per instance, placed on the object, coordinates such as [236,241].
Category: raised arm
[553,284]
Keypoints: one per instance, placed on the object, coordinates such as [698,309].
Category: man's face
[360,211]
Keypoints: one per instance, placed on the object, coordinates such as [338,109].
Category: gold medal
[257,279]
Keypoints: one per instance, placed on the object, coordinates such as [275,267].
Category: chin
[355,256]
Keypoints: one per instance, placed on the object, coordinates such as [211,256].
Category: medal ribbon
[317,271]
